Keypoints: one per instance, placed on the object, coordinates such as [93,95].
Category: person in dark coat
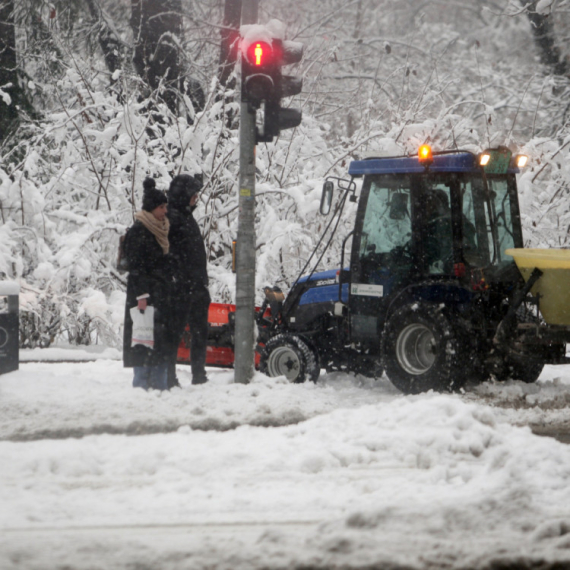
[149,283]
[190,275]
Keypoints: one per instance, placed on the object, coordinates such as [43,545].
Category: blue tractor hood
[321,276]
[323,288]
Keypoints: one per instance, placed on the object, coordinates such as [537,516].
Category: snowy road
[347,473]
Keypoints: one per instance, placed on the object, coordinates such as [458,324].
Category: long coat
[150,271]
[189,261]
[187,249]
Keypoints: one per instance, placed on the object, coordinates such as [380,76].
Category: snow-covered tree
[379,76]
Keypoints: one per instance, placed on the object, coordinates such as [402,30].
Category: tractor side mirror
[398,206]
[326,197]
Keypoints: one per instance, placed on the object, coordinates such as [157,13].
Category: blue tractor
[427,292]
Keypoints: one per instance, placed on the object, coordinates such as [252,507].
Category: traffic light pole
[246,241]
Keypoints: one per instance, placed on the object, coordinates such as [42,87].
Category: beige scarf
[158,229]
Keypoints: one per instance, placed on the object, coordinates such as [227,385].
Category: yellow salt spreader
[552,288]
[546,273]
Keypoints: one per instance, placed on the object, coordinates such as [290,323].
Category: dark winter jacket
[188,253]
[187,250]
[150,271]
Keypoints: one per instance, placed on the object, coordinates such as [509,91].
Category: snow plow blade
[553,284]
[220,350]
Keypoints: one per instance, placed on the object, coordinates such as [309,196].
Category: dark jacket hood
[182,188]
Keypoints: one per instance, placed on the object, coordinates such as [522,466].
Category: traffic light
[259,71]
[263,81]
[277,118]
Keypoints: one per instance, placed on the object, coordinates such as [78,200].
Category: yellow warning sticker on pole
[245,192]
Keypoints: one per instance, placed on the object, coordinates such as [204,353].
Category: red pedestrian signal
[259,54]
[263,82]
[258,72]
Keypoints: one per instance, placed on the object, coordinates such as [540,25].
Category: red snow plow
[220,351]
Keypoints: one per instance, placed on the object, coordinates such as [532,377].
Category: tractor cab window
[489,224]
[475,221]
[437,239]
[387,228]
[502,212]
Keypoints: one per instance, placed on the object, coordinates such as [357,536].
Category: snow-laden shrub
[70,188]
[78,181]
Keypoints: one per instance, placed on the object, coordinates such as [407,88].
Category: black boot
[199,377]
[172,380]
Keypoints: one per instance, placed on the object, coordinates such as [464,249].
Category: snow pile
[66,353]
[75,399]
[417,481]
[554,393]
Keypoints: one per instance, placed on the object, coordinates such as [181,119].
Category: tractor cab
[439,219]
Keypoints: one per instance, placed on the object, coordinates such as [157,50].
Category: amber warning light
[425,154]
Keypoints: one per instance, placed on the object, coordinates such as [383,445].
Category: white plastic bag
[143,327]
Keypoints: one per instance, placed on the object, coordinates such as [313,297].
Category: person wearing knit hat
[149,285]
[152,197]
[190,275]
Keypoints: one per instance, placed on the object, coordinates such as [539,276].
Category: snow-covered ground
[345,473]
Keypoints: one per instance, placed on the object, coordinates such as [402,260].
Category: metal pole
[249,10]
[245,248]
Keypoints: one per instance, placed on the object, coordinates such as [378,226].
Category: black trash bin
[9,326]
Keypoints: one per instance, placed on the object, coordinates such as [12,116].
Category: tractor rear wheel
[290,356]
[422,350]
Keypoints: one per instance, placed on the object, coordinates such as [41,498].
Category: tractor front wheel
[422,350]
[290,356]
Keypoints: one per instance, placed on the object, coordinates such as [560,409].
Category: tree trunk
[230,37]
[157,28]
[10,95]
[544,38]
[108,40]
